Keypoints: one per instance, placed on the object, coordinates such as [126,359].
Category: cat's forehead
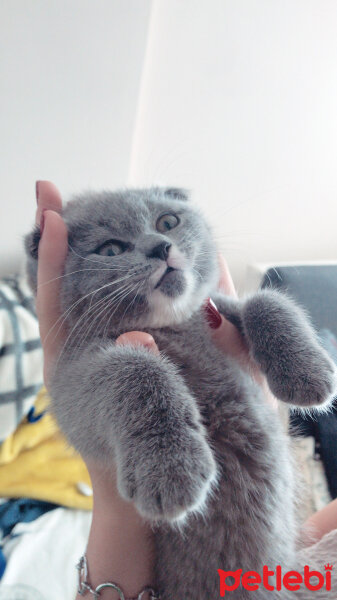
[129,211]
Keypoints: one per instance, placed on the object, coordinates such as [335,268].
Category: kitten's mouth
[164,276]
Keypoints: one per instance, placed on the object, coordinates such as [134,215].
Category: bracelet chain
[84,585]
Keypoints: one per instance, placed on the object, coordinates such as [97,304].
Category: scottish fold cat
[198,450]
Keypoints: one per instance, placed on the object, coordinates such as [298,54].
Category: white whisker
[64,315]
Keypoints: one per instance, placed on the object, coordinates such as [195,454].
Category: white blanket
[42,555]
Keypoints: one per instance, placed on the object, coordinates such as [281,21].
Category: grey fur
[198,450]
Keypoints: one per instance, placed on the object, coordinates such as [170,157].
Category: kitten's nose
[160,251]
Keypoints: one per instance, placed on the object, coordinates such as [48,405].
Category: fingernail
[149,341]
[37,190]
[212,314]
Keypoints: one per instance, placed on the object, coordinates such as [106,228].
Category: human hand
[120,545]
[227,337]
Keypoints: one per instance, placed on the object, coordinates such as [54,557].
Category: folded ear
[177,193]
[32,240]
[31,243]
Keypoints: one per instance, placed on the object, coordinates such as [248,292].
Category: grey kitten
[197,448]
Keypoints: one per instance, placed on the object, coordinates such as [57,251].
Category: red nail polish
[212,314]
[37,190]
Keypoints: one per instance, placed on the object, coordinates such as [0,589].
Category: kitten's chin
[167,310]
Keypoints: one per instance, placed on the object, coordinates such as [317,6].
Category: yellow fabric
[37,462]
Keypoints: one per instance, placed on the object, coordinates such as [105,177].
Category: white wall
[69,76]
[239,103]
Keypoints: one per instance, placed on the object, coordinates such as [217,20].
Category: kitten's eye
[167,222]
[111,249]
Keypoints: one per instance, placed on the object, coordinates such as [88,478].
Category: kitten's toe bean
[171,482]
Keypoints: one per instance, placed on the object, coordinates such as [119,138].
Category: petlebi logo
[275,580]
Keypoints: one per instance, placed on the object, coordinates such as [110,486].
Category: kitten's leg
[124,403]
[285,347]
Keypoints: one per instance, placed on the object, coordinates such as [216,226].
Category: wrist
[117,515]
[84,585]
[121,545]
[120,550]
[109,508]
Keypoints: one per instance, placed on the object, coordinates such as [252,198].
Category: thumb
[227,338]
[224,334]
[53,249]
[138,338]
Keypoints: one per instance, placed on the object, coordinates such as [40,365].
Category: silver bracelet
[84,585]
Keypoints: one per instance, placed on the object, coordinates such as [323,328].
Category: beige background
[236,100]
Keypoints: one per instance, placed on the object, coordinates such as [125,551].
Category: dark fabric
[2,563]
[315,288]
[326,436]
[21,510]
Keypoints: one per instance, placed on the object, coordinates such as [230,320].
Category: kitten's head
[136,258]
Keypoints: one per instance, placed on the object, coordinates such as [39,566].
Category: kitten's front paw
[312,386]
[170,479]
[285,347]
